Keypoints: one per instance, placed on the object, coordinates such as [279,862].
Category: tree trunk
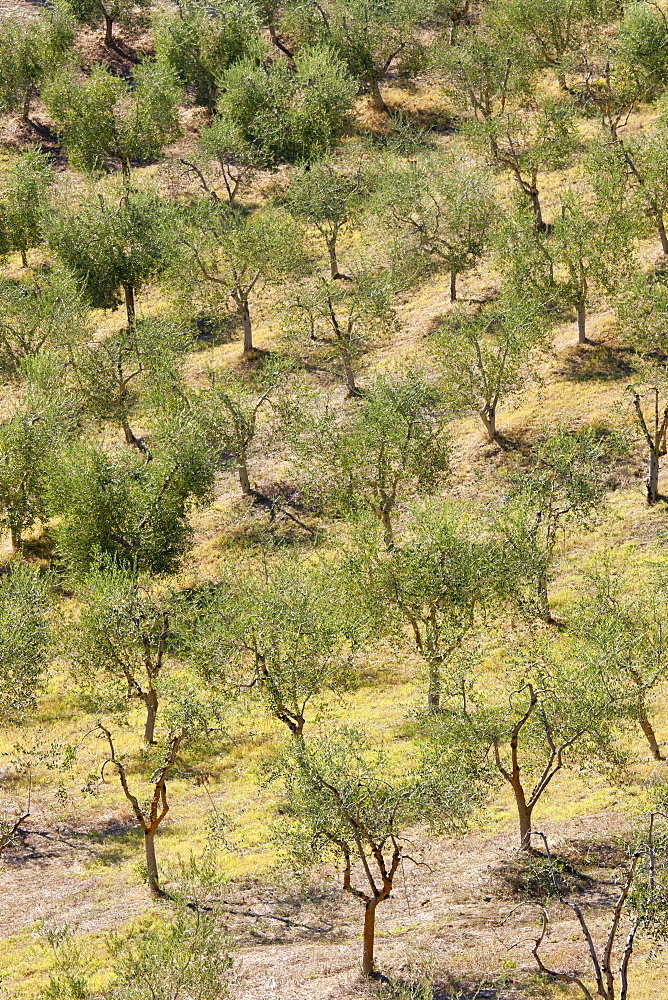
[561,80]
[388,531]
[378,101]
[488,417]
[349,374]
[248,329]
[369,934]
[24,258]
[544,609]
[582,319]
[434,692]
[151,864]
[663,236]
[653,477]
[108,37]
[453,286]
[151,702]
[244,478]
[536,209]
[650,735]
[130,304]
[16,537]
[333,262]
[524,816]
[27,98]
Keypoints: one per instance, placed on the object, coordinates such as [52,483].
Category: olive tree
[294,114]
[238,255]
[372,38]
[485,356]
[366,458]
[30,50]
[24,640]
[104,118]
[116,503]
[349,803]
[224,153]
[331,201]
[440,215]
[344,319]
[442,577]
[622,632]
[642,48]
[560,487]
[107,12]
[113,249]
[200,41]
[119,641]
[554,713]
[22,201]
[287,637]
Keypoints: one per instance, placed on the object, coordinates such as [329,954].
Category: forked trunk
[378,101]
[151,864]
[650,735]
[248,329]
[453,286]
[151,702]
[369,934]
[108,25]
[663,236]
[129,293]
[653,477]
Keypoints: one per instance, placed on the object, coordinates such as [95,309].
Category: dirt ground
[457,918]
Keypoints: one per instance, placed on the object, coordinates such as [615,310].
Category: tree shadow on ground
[596,362]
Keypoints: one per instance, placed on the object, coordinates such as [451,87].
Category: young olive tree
[331,201]
[366,457]
[149,814]
[294,114]
[562,486]
[238,255]
[103,118]
[224,153]
[121,505]
[134,370]
[445,573]
[288,637]
[486,356]
[527,143]
[30,50]
[440,215]
[113,249]
[344,319]
[33,431]
[24,640]
[22,201]
[45,315]
[107,12]
[347,803]
[622,633]
[227,411]
[199,42]
[641,906]
[372,38]
[119,641]
[555,713]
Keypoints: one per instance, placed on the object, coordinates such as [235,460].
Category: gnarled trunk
[378,101]
[488,417]
[369,936]
[650,735]
[244,478]
[523,814]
